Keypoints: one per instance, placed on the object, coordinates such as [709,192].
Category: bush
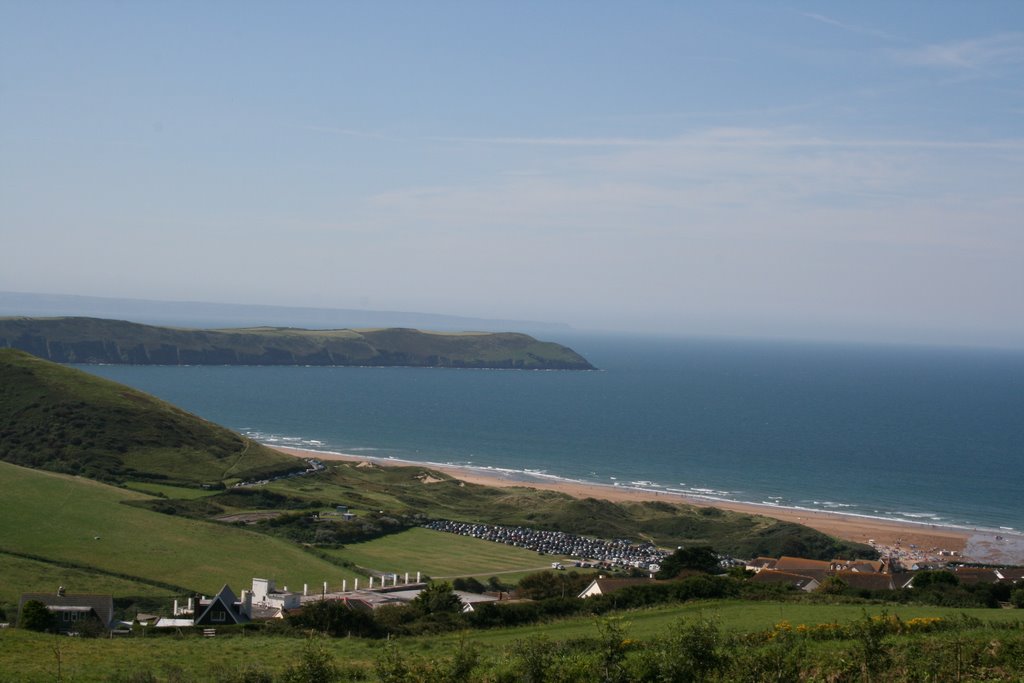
[315,665]
[35,617]
[334,618]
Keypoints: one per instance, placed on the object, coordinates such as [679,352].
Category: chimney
[357,584]
[407,577]
[305,589]
[60,591]
[371,583]
[246,608]
[176,610]
[344,585]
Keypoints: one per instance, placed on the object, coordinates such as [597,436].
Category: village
[615,566]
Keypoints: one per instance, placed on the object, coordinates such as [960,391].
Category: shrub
[315,665]
[35,617]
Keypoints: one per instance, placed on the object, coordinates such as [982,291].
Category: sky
[846,171]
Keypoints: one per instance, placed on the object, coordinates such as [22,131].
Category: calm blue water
[931,435]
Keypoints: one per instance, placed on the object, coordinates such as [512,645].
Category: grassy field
[175,492]
[442,555]
[33,576]
[732,615]
[81,522]
[28,657]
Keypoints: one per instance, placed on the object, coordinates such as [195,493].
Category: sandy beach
[912,542]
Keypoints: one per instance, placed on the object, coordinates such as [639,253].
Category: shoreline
[911,541]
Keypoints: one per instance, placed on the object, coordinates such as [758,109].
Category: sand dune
[910,541]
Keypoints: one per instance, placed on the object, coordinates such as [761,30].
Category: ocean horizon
[921,434]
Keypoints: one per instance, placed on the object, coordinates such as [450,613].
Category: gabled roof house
[223,609]
[71,610]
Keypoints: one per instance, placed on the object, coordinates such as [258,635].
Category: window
[219,615]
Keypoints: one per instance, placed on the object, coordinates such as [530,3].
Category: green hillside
[94,340]
[66,522]
[62,419]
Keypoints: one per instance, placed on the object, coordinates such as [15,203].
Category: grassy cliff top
[62,419]
[96,340]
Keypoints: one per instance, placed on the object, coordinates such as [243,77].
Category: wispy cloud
[1000,49]
[352,132]
[852,28]
[740,137]
[553,142]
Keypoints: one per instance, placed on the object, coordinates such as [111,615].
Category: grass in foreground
[28,656]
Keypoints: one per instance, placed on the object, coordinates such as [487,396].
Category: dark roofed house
[72,611]
[865,580]
[773,576]
[1011,574]
[970,576]
[223,609]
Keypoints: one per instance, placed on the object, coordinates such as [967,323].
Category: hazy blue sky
[804,169]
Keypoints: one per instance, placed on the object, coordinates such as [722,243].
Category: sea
[921,434]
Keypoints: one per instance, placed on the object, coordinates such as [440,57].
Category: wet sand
[912,542]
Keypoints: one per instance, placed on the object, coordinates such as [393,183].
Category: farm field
[83,523]
[176,492]
[737,616]
[21,575]
[442,555]
[26,656]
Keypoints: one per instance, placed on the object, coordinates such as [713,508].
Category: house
[864,566]
[223,609]
[759,563]
[603,586]
[816,569]
[970,576]
[776,577]
[266,594]
[866,580]
[1011,574]
[467,599]
[71,611]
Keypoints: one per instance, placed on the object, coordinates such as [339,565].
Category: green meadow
[81,523]
[167,491]
[441,555]
[35,576]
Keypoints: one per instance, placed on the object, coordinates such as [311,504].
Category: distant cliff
[95,340]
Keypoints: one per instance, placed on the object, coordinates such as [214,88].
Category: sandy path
[911,541]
